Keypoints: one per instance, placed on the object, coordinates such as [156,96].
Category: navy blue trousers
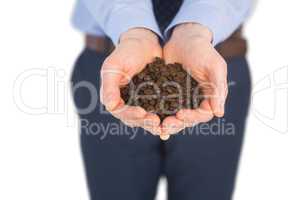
[200,163]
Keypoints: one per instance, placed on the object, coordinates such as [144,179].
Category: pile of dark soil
[163,89]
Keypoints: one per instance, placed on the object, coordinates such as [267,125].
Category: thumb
[218,76]
[110,91]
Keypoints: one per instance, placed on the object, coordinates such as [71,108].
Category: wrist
[141,34]
[193,30]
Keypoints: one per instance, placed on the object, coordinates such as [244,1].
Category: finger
[194,116]
[164,137]
[218,76]
[123,111]
[110,91]
[149,120]
[172,125]
[154,130]
[150,123]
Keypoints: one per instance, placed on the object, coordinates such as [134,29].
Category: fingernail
[221,106]
[111,103]
[164,137]
[110,106]
[221,111]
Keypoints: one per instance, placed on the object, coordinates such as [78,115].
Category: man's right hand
[136,48]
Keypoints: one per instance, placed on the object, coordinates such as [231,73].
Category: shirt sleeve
[117,16]
[222,17]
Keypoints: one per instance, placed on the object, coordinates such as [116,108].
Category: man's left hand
[190,44]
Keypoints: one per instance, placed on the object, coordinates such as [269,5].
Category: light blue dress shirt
[113,17]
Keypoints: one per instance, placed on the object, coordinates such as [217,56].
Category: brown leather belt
[235,45]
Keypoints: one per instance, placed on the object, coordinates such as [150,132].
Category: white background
[39,153]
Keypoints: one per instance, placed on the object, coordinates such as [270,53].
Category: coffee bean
[159,73]
[147,77]
[148,91]
[152,102]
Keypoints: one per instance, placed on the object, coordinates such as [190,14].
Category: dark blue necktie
[165,11]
